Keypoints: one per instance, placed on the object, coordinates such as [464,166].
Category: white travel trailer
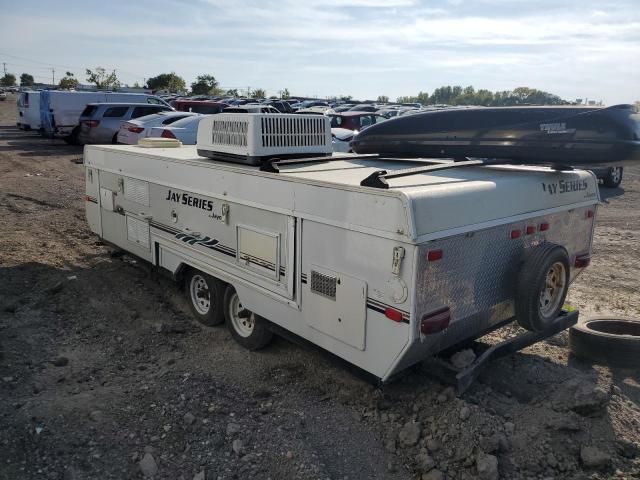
[29,110]
[60,110]
[382,277]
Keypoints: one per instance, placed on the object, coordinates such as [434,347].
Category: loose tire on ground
[247,328]
[542,286]
[205,295]
[613,178]
[608,341]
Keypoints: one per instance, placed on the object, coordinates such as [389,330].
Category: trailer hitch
[463,379]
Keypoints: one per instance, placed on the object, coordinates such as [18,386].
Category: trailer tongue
[278,236]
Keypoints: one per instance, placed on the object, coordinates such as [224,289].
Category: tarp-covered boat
[564,135]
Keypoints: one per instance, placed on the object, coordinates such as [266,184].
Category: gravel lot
[103,374]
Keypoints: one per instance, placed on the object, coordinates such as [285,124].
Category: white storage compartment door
[337,305]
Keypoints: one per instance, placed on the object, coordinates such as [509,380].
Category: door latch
[224,212]
[398,255]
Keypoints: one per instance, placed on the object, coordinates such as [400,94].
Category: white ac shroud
[253,137]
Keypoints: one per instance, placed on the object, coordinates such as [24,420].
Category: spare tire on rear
[607,341]
[542,286]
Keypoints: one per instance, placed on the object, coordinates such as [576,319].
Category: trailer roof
[436,201]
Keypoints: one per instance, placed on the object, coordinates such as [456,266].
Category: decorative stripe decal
[214,244]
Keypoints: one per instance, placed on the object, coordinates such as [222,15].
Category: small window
[336,122]
[154,101]
[115,112]
[170,120]
[365,121]
[142,111]
[88,111]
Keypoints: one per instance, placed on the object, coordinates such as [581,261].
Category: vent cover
[253,137]
[323,284]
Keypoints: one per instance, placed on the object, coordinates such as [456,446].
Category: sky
[587,49]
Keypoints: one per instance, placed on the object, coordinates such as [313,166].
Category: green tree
[382,99]
[259,93]
[68,82]
[284,94]
[26,80]
[102,79]
[167,81]
[637,104]
[9,80]
[232,93]
[204,85]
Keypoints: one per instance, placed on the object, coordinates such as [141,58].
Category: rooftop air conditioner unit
[252,138]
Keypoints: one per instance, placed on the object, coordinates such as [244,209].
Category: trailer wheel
[613,178]
[247,328]
[205,295]
[542,287]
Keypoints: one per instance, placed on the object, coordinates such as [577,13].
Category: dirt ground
[103,374]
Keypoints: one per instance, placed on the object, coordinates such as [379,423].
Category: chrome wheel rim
[615,175]
[242,324]
[200,294]
[553,289]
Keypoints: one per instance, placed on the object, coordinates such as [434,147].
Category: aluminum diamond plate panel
[476,277]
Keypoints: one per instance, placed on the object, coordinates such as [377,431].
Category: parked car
[363,107]
[341,138]
[343,108]
[206,107]
[309,104]
[355,120]
[3,96]
[611,176]
[251,108]
[132,131]
[318,110]
[185,130]
[280,105]
[60,110]
[100,122]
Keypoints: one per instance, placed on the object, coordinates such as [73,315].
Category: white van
[60,110]
[29,110]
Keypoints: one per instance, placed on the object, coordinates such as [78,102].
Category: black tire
[205,295]
[609,341]
[255,333]
[613,178]
[72,139]
[114,140]
[531,313]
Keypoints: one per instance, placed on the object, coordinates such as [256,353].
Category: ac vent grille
[229,132]
[293,131]
[323,284]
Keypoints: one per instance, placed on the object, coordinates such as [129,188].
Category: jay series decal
[193,201]
[190,200]
[564,186]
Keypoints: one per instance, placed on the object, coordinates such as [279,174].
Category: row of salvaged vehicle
[126,118]
[111,117]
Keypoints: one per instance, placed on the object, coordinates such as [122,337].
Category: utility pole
[53,76]
[4,65]
[248,91]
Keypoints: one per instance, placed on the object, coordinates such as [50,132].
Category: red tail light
[515,234]
[91,123]
[135,129]
[167,134]
[582,261]
[530,229]
[436,321]
[590,214]
[393,314]
[434,255]
[544,227]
